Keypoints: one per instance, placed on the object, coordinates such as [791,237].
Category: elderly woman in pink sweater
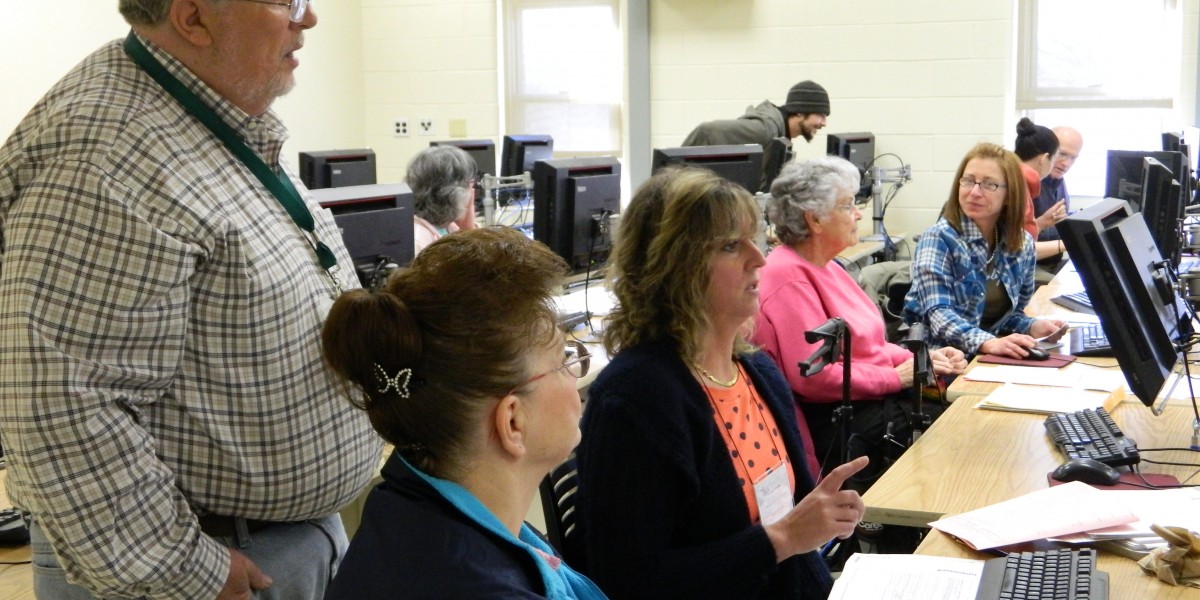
[801,287]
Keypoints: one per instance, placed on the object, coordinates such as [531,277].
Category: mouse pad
[1055,361]
[1127,479]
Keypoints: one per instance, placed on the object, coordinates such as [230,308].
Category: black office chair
[558,493]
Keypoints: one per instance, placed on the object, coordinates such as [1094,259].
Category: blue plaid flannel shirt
[949,283]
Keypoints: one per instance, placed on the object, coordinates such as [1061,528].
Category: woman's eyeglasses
[576,360]
[988,186]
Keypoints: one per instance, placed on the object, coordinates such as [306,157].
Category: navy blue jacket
[660,505]
[413,543]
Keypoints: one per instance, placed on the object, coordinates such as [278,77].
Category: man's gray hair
[144,12]
[438,177]
[812,186]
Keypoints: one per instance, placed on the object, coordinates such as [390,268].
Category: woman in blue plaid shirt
[973,270]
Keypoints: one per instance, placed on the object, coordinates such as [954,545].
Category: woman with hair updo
[692,476]
[812,207]
[442,179]
[1037,147]
[458,362]
[973,270]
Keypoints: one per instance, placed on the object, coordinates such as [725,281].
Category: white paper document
[1057,511]
[1074,375]
[907,577]
[1024,398]
[1179,507]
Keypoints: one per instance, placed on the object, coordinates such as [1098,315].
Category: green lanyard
[280,185]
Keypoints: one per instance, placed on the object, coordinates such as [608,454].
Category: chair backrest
[558,493]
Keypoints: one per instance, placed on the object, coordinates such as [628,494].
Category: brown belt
[223,526]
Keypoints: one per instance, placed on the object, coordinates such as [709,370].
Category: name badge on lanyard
[773,491]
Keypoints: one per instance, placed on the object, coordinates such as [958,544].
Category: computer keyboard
[1089,340]
[12,527]
[1078,302]
[1044,575]
[1091,433]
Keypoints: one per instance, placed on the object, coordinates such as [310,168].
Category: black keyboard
[1066,573]
[1092,434]
[1089,340]
[1078,302]
[12,528]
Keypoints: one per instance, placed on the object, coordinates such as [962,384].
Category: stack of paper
[1053,512]
[1023,398]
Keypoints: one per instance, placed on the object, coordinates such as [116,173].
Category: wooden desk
[971,458]
[1125,578]
[16,581]
[1066,282]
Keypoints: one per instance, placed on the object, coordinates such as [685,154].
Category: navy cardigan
[660,507]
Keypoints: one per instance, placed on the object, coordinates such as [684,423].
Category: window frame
[515,101]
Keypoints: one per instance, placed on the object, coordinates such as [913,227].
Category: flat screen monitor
[777,153]
[337,168]
[858,148]
[483,152]
[1162,207]
[1124,177]
[1172,141]
[376,222]
[1130,290]
[521,152]
[572,201]
[739,163]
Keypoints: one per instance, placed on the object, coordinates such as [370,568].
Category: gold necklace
[718,381]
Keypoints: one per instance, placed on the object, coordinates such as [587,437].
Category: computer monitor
[1129,288]
[1124,177]
[1161,207]
[1172,141]
[521,152]
[858,148]
[376,223]
[739,163]
[337,168]
[777,153]
[572,201]
[483,152]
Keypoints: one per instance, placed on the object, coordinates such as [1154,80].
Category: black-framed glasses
[296,8]
[987,186]
[576,360]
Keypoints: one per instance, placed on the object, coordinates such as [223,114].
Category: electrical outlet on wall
[426,126]
[400,128]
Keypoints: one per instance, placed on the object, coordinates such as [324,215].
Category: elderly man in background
[168,422]
[1054,203]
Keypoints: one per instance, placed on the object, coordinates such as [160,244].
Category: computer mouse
[1036,353]
[1087,470]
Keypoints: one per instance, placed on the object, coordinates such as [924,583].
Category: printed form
[907,577]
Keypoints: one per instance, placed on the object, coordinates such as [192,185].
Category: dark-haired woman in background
[693,477]
[442,179]
[1037,146]
[459,364]
[973,270]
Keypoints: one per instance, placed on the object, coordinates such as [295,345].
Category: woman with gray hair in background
[442,179]
[812,207]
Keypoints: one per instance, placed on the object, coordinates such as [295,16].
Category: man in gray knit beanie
[801,115]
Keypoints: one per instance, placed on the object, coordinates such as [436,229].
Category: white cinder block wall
[428,59]
[929,79]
